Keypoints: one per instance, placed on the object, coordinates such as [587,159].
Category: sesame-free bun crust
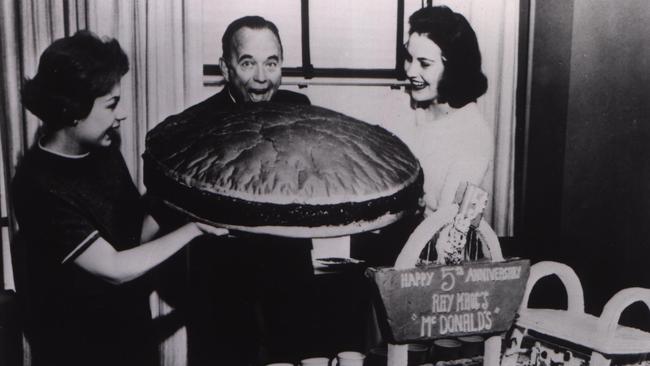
[273,168]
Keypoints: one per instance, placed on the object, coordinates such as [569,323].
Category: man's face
[254,70]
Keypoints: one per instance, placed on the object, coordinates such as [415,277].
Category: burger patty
[280,165]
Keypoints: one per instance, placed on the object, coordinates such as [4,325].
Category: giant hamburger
[289,170]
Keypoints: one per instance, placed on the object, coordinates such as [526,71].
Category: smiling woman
[80,264]
[452,141]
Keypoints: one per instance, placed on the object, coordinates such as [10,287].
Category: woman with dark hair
[81,217]
[450,137]
[452,140]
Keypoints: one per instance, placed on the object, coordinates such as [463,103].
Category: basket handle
[612,312]
[571,282]
[410,253]
[490,241]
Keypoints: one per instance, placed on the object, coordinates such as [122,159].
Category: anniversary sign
[439,301]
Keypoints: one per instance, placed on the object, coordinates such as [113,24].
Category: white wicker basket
[552,337]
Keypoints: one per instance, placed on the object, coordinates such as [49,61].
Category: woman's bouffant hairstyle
[72,73]
[462,80]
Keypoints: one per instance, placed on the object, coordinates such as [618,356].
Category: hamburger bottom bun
[325,231]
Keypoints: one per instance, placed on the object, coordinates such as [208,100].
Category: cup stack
[445,350]
[471,346]
[417,354]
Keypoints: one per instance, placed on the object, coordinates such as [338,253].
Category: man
[251,64]
[251,290]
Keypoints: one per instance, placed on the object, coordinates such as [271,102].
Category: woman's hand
[209,229]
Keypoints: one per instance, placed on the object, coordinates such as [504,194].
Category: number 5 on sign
[448,279]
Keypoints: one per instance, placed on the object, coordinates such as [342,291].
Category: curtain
[163,40]
[496,23]
[160,38]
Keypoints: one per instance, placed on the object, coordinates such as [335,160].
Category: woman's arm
[463,171]
[102,260]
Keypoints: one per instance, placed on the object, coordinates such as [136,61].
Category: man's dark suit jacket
[233,279]
[223,101]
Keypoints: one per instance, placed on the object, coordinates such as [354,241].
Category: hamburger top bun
[294,166]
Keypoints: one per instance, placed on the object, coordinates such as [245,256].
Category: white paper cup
[315,361]
[348,358]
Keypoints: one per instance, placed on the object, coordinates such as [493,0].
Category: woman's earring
[75,122]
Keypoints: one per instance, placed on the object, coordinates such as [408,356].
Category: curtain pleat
[10,116]
[76,18]
[504,191]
